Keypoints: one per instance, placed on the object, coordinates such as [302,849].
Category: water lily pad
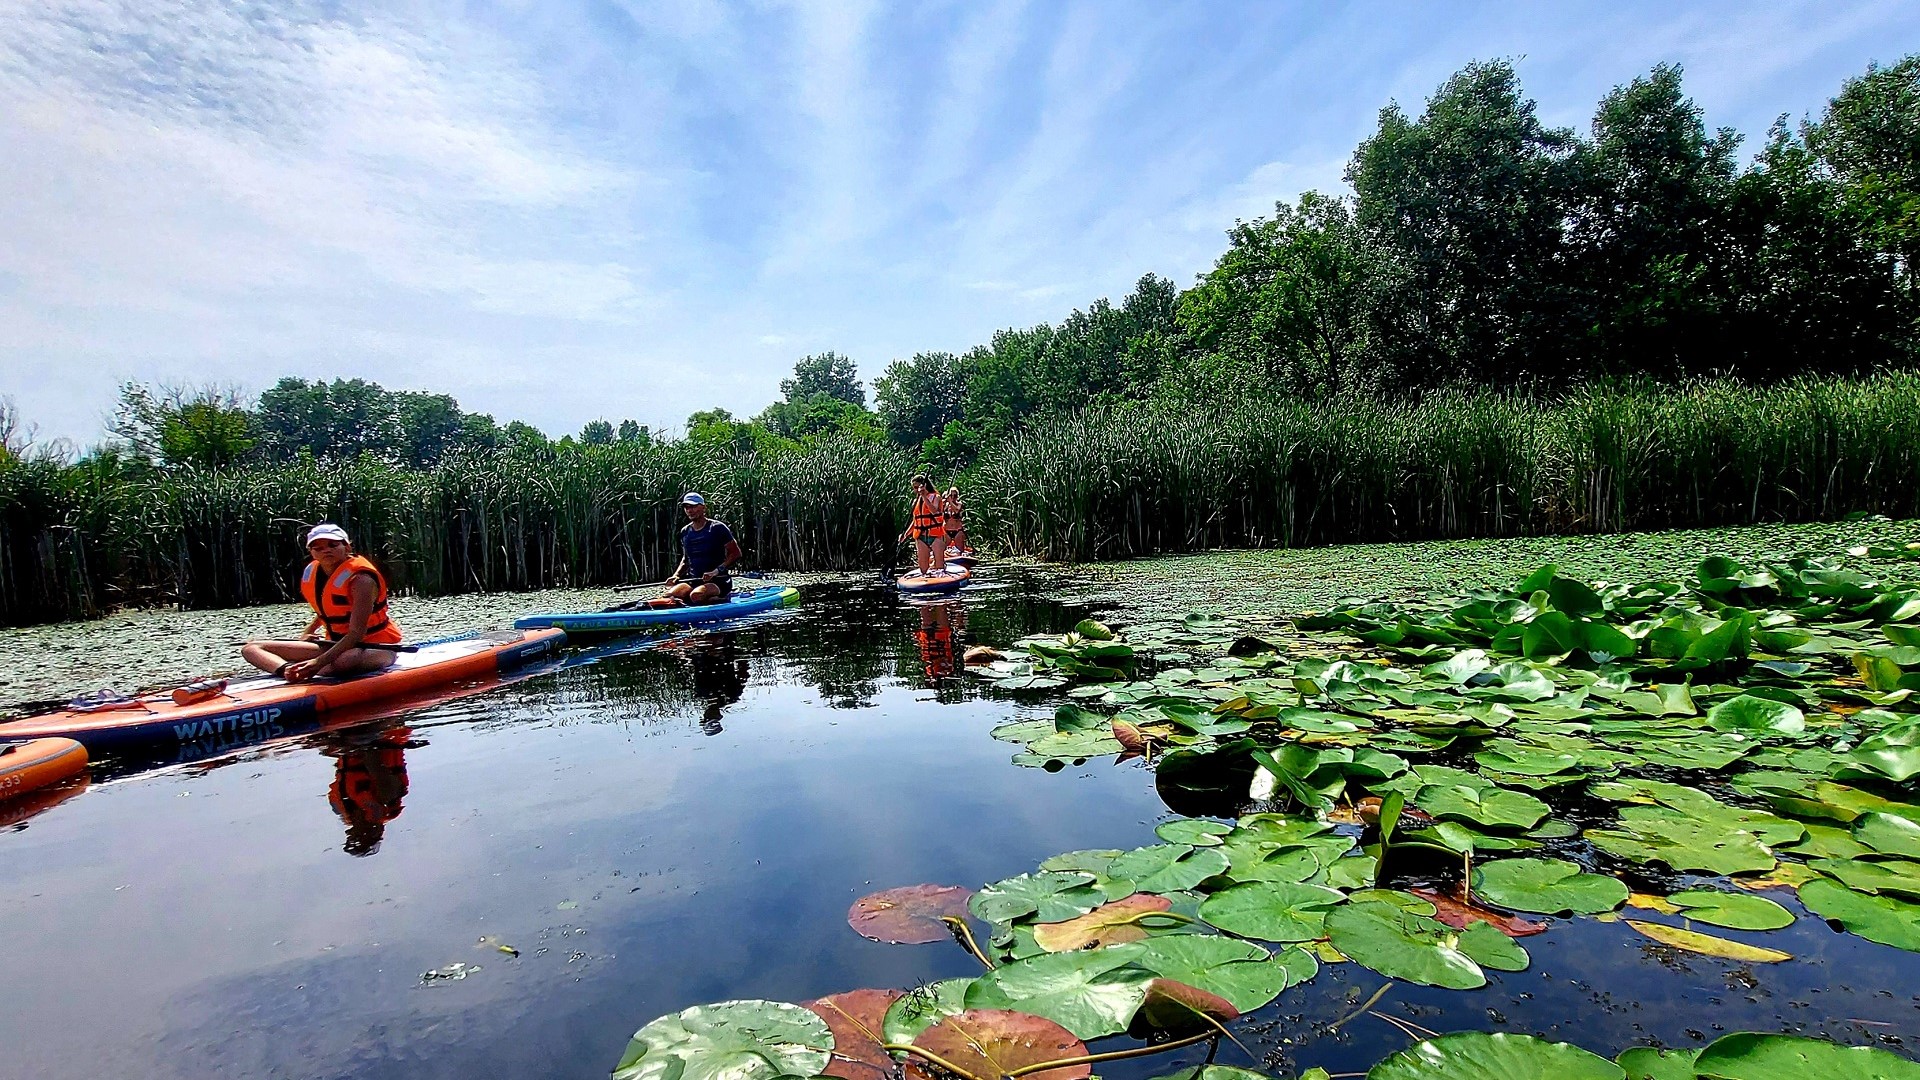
[1163,868]
[1175,1006]
[1460,916]
[922,1007]
[1483,804]
[1108,924]
[1403,944]
[1751,1056]
[1888,835]
[1661,834]
[1052,895]
[1272,910]
[1492,949]
[995,1042]
[1476,1055]
[1092,861]
[1092,992]
[1882,919]
[1197,832]
[909,915]
[1647,1063]
[1735,911]
[1548,886]
[1757,715]
[1706,944]
[1243,973]
[1896,876]
[856,1019]
[731,1040]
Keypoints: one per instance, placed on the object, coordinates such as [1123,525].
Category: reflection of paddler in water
[719,676]
[369,784]
[942,626]
[348,596]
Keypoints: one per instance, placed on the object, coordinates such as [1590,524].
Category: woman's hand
[302,671]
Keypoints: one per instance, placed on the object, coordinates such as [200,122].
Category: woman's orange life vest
[927,517]
[334,602]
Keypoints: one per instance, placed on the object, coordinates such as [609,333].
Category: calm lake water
[658,827]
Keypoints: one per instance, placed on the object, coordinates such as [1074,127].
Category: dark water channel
[676,825]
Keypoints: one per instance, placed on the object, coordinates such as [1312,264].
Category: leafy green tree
[827,374]
[428,425]
[520,435]
[916,399]
[1648,232]
[479,431]
[1472,200]
[209,427]
[1810,291]
[1003,378]
[632,431]
[597,433]
[1869,137]
[1293,299]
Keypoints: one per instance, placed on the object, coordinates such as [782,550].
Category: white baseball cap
[327,531]
[693,498]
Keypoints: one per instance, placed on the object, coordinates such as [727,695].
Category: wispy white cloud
[566,210]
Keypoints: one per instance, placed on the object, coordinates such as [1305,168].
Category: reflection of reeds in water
[77,539]
[1111,484]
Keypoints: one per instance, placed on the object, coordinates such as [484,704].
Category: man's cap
[693,498]
[327,531]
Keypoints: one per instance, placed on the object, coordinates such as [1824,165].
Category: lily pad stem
[909,1048]
[1364,1006]
[1111,1055]
[965,936]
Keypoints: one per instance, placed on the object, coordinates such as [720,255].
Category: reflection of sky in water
[193,923]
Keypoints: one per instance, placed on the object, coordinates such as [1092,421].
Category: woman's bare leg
[269,655]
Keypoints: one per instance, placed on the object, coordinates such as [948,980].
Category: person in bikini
[348,596]
[953,511]
[927,528]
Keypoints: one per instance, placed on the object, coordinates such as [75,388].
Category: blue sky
[563,210]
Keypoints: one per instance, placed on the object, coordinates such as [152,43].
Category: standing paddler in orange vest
[349,601]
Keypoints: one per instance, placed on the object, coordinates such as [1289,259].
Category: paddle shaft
[379,645]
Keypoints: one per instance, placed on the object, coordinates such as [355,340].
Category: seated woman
[348,596]
[708,552]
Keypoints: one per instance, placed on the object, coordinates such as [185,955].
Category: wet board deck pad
[955,577]
[29,766]
[745,602]
[257,709]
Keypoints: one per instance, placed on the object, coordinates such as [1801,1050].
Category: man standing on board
[348,596]
[709,552]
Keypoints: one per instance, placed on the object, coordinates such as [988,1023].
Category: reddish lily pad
[1176,1006]
[1108,924]
[1129,736]
[1459,915]
[855,1018]
[909,915]
[994,1042]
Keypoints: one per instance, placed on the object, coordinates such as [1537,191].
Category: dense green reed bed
[80,539]
[1110,485]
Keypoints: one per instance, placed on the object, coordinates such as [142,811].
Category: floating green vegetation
[1415,804]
